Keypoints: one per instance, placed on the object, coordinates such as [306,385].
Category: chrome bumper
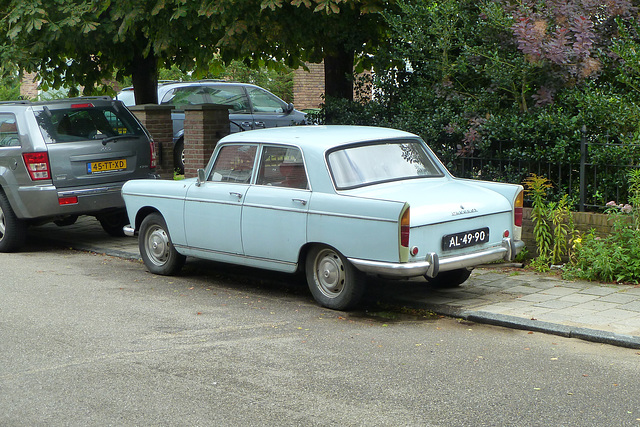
[432,264]
[128,230]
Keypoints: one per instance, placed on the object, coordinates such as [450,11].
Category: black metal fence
[598,175]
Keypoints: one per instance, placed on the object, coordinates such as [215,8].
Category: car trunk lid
[438,200]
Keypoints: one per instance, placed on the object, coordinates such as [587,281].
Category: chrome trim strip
[154,196]
[337,215]
[230,254]
[89,191]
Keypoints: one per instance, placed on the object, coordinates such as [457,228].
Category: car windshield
[361,165]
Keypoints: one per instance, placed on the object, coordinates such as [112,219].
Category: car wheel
[112,223]
[156,248]
[334,282]
[450,279]
[178,156]
[12,230]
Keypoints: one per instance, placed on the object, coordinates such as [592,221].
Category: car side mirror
[289,108]
[201,177]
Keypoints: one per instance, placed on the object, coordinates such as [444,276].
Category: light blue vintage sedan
[337,202]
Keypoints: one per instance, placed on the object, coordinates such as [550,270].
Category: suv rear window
[85,122]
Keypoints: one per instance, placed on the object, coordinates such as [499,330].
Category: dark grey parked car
[65,158]
[252,106]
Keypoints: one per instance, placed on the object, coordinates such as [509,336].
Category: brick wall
[308,87]
[29,87]
[204,126]
[157,120]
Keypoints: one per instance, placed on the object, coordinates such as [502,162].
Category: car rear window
[360,165]
[85,122]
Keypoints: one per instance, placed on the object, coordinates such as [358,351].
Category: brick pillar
[157,120]
[204,126]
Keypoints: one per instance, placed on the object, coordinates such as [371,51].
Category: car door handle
[260,124]
[238,195]
[303,202]
[247,124]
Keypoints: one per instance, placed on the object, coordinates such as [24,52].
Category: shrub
[616,257]
[552,223]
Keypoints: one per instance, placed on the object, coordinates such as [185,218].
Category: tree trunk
[145,79]
[338,76]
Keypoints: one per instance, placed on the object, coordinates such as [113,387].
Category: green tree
[84,43]
[508,80]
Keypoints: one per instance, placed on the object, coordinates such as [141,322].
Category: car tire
[156,248]
[178,156]
[333,281]
[113,223]
[12,229]
[450,279]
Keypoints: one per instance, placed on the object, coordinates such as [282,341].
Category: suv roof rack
[17,101]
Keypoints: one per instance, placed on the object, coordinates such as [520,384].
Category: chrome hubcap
[157,245]
[330,274]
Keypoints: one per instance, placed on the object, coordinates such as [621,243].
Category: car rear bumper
[44,201]
[432,264]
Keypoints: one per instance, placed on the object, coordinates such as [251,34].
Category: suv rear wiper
[117,137]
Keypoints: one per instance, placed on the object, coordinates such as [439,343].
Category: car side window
[265,102]
[8,131]
[189,95]
[230,95]
[282,167]
[234,163]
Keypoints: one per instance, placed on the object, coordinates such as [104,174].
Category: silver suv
[252,107]
[65,158]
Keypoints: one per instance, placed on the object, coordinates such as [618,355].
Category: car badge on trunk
[463,211]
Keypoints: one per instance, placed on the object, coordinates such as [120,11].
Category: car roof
[211,82]
[162,84]
[321,137]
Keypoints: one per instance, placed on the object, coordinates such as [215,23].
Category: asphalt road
[92,340]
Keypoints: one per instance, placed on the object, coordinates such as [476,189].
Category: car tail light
[72,200]
[154,159]
[517,219]
[405,225]
[37,165]
[87,105]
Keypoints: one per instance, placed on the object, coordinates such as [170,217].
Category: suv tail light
[154,159]
[37,165]
[517,218]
